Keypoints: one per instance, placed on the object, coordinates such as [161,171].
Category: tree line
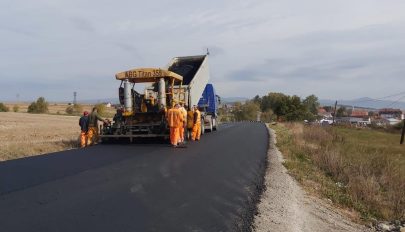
[41,106]
[279,107]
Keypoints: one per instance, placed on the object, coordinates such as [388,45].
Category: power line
[385,97]
[399,99]
[393,95]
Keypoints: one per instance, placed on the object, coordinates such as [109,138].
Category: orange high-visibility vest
[197,117]
[190,119]
[184,114]
[174,118]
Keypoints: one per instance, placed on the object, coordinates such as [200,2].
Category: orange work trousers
[181,132]
[195,135]
[83,139]
[174,135]
[92,136]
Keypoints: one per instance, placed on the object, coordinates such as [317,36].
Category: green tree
[312,104]
[277,102]
[295,109]
[3,108]
[38,107]
[285,107]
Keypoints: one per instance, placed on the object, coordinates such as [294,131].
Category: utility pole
[403,129]
[74,98]
[334,113]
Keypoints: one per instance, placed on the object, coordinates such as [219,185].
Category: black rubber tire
[202,128]
[211,127]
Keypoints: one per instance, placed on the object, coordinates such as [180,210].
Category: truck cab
[208,105]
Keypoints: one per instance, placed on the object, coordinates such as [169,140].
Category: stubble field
[57,108]
[23,134]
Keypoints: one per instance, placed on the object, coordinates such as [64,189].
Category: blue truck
[208,105]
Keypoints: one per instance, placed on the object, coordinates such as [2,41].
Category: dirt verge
[284,206]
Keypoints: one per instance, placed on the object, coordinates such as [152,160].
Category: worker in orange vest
[190,122]
[182,129]
[175,122]
[196,124]
[84,126]
[92,133]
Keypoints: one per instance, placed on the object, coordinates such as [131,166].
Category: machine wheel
[215,123]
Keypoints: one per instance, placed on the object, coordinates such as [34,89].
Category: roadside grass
[357,169]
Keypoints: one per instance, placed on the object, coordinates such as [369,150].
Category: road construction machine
[183,80]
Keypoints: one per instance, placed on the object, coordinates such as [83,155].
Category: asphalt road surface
[212,185]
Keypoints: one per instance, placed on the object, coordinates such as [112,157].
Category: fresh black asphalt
[212,185]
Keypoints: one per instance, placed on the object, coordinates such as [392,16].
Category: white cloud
[257,46]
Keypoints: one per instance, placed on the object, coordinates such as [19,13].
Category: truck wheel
[202,128]
[215,124]
[211,127]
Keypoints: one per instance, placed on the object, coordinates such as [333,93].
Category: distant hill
[365,102]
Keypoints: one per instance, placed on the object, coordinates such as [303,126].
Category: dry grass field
[23,134]
[360,169]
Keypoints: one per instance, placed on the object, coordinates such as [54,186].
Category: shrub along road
[212,185]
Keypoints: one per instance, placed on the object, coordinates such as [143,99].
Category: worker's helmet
[85,113]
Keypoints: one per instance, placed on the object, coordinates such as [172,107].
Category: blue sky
[335,49]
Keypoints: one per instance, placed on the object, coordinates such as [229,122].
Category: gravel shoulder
[284,206]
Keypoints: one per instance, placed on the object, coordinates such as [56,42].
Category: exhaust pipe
[162,92]
[127,96]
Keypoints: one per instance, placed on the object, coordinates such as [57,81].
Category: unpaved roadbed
[285,207]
